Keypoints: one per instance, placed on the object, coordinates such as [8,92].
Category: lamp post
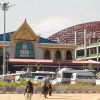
[4,7]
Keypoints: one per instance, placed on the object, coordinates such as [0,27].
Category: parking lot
[80,96]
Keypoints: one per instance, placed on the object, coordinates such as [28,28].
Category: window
[47,54]
[84,77]
[58,54]
[24,50]
[68,55]
[67,75]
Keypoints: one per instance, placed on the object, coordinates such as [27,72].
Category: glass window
[84,77]
[47,54]
[68,55]
[67,75]
[24,50]
[58,54]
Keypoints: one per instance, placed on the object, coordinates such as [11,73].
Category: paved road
[53,97]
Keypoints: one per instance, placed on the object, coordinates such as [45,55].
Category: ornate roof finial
[25,19]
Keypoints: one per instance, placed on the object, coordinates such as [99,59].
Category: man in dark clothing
[45,90]
[45,86]
[28,90]
[49,86]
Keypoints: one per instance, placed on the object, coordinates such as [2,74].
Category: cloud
[51,26]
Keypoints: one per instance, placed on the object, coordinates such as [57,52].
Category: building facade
[24,43]
[87,38]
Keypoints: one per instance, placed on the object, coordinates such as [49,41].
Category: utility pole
[4,7]
[85,44]
[75,44]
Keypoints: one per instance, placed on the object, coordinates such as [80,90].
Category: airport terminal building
[25,49]
[87,38]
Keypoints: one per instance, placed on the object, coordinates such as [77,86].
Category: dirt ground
[92,96]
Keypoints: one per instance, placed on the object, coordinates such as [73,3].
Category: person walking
[49,86]
[45,86]
[28,90]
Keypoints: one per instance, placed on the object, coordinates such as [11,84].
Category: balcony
[96,43]
[80,46]
[80,57]
[92,44]
[93,55]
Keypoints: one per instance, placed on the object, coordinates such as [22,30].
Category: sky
[47,17]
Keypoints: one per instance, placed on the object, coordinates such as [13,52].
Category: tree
[38,65]
[1,59]
[1,56]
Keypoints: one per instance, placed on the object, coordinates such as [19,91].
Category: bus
[69,75]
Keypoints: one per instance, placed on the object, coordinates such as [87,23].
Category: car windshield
[40,77]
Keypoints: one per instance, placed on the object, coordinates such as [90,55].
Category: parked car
[38,79]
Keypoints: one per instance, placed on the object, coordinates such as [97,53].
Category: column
[97,52]
[52,54]
[85,31]
[63,54]
[75,44]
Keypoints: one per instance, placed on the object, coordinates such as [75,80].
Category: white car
[38,79]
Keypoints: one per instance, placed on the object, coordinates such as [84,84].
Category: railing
[78,57]
[93,54]
[81,46]
[92,44]
[98,53]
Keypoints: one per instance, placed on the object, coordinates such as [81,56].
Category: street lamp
[4,7]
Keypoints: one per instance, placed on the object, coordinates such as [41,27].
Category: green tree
[38,66]
[1,59]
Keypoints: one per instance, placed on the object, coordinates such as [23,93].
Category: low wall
[21,89]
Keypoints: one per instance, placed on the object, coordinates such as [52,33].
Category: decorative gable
[25,33]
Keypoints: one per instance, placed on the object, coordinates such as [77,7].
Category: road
[95,96]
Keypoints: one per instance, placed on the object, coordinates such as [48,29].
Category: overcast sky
[47,17]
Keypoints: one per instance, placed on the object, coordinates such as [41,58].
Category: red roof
[91,62]
[52,63]
[30,60]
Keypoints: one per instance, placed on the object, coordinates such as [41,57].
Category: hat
[28,79]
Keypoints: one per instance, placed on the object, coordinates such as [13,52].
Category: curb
[55,92]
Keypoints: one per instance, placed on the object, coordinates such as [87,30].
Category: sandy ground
[53,97]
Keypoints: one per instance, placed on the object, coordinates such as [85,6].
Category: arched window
[58,54]
[47,54]
[24,50]
[68,55]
